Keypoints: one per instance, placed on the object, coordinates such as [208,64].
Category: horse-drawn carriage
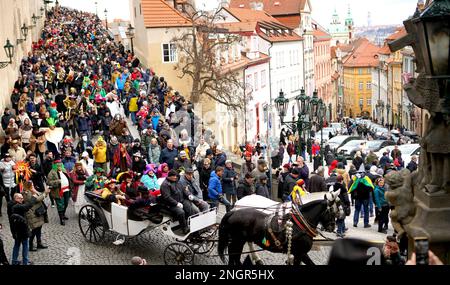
[97,216]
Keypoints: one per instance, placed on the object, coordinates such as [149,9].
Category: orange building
[358,67]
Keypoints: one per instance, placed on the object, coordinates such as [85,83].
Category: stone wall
[13,14]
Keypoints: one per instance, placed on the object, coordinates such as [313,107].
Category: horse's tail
[223,235]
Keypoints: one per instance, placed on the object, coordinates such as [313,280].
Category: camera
[421,246]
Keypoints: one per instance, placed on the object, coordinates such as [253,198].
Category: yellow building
[394,78]
[358,78]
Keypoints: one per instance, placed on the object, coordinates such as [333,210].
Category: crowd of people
[77,84]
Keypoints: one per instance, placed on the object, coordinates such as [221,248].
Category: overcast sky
[382,11]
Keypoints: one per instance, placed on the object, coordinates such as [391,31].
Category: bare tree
[199,50]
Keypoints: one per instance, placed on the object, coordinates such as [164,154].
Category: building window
[249,81]
[369,71]
[256,80]
[140,9]
[263,78]
[369,102]
[361,85]
[169,52]
[361,102]
[368,85]
[135,12]
[360,71]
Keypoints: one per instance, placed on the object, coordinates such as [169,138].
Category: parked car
[375,146]
[339,141]
[349,148]
[338,127]
[407,150]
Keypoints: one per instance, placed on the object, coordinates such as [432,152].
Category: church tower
[349,23]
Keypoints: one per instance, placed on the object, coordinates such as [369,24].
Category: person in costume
[60,184]
[112,194]
[79,176]
[149,178]
[99,152]
[298,192]
[361,188]
[128,184]
[122,160]
[71,106]
[96,181]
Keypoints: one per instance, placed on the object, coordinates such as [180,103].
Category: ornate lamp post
[380,110]
[130,30]
[388,108]
[106,18]
[361,106]
[400,110]
[424,210]
[303,122]
[24,32]
[9,50]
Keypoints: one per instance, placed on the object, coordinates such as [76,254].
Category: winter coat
[317,184]
[344,175]
[154,152]
[182,164]
[205,175]
[304,174]
[289,184]
[17,155]
[54,182]
[214,186]
[228,184]
[151,182]
[220,159]
[244,189]
[412,166]
[168,156]
[78,179]
[246,168]
[33,220]
[8,174]
[379,194]
[262,190]
[171,194]
[193,187]
[19,226]
[99,153]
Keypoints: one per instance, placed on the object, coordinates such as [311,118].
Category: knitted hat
[300,182]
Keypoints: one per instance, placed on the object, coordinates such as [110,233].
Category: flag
[365,180]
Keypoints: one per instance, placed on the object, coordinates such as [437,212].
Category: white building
[266,37]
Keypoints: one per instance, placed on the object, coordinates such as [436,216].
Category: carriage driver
[176,200]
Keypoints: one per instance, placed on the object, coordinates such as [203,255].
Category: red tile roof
[291,21]
[159,14]
[263,21]
[274,7]
[364,55]
[385,50]
[320,35]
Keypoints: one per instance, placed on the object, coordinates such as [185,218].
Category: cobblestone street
[68,246]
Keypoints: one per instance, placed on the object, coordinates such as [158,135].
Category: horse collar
[303,224]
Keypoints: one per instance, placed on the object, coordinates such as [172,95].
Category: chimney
[225,3]
[257,6]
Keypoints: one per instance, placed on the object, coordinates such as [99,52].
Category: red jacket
[315,149]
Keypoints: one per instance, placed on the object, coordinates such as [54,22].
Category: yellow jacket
[99,153]
[133,107]
[297,193]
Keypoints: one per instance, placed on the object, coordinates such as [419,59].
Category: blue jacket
[380,200]
[121,82]
[150,182]
[221,159]
[155,120]
[168,156]
[214,186]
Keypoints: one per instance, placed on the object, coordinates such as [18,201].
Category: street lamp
[399,107]
[330,108]
[24,31]
[433,31]
[361,106]
[388,108]
[9,50]
[380,109]
[131,35]
[42,11]
[34,18]
[310,110]
[106,18]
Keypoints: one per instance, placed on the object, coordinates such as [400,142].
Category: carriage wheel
[178,254]
[93,224]
[203,242]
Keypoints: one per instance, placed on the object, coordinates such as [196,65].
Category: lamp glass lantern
[42,11]
[24,30]
[130,30]
[434,38]
[302,102]
[314,104]
[34,19]
[9,50]
[282,103]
